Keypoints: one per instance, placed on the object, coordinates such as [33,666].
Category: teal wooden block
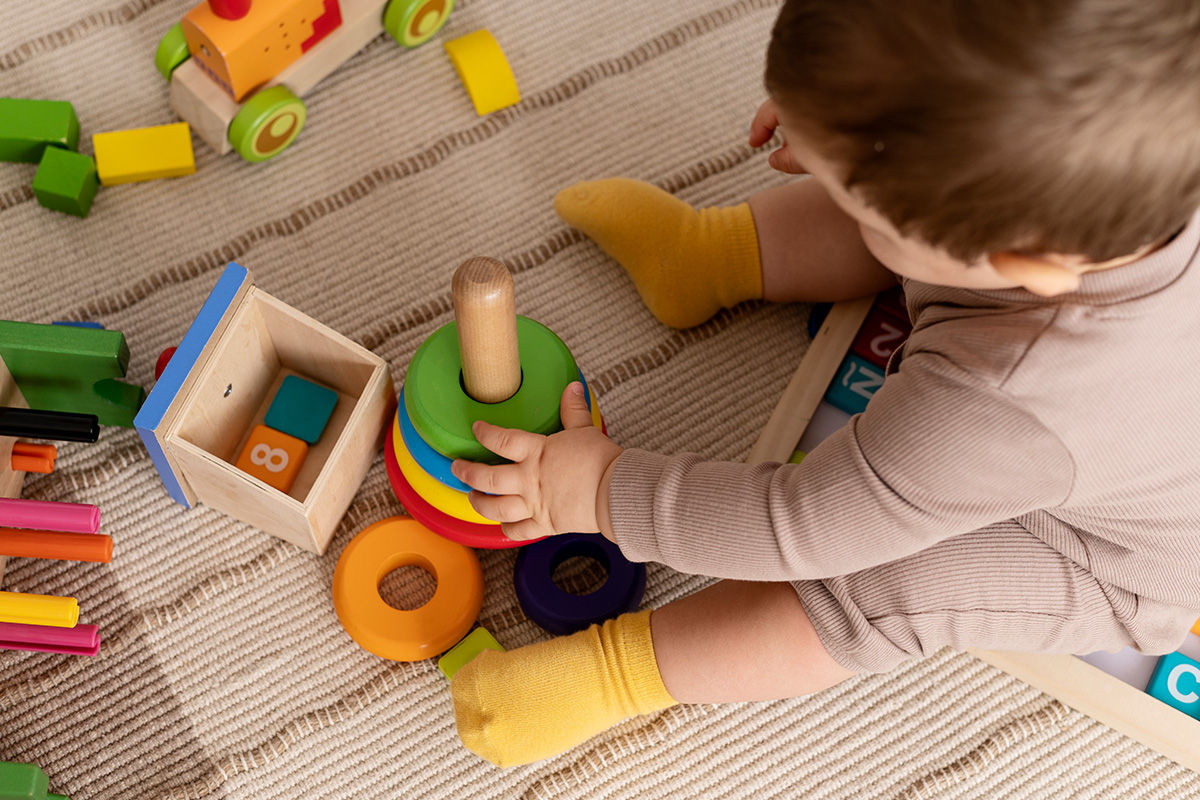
[856,383]
[301,408]
[28,127]
[1176,681]
[66,181]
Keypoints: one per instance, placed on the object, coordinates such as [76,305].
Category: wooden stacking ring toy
[442,411]
[560,612]
[430,460]
[438,465]
[393,633]
[471,534]
[449,501]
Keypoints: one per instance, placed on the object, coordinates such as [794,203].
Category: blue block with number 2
[301,408]
[854,385]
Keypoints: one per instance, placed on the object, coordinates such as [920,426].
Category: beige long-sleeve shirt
[1078,414]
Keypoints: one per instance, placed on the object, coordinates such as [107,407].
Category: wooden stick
[486,312]
[810,381]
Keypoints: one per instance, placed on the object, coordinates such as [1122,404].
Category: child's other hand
[553,484]
[762,128]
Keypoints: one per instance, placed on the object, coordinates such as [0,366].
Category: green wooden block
[472,645]
[301,408]
[64,368]
[22,781]
[27,127]
[66,181]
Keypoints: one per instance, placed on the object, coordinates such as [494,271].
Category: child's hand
[762,128]
[553,484]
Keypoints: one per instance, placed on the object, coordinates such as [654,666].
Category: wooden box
[1071,680]
[219,385]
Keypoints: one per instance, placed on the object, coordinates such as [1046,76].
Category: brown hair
[1068,126]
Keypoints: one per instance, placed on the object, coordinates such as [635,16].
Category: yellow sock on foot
[687,263]
[538,701]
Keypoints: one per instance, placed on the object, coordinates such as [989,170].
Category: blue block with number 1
[301,408]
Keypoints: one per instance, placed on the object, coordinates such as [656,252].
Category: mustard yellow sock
[687,263]
[538,701]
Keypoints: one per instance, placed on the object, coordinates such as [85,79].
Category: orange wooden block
[272,457]
[1196,628]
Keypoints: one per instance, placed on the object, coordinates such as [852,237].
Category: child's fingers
[573,407]
[783,161]
[501,508]
[763,126]
[510,443]
[502,479]
[524,531]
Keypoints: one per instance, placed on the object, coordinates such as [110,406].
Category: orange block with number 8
[272,457]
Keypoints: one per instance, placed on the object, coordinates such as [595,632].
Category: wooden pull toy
[486,311]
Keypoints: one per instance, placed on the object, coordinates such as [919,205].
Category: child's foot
[538,701]
[686,263]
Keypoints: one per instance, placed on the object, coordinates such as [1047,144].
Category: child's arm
[936,454]
[811,251]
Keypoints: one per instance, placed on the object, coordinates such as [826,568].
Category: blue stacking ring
[428,459]
[561,613]
[433,462]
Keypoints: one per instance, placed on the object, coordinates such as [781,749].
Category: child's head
[981,127]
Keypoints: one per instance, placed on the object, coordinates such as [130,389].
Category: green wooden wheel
[414,22]
[268,122]
[442,411]
[172,51]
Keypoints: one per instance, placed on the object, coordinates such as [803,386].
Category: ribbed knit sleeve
[937,453]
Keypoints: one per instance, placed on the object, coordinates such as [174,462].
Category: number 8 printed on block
[272,457]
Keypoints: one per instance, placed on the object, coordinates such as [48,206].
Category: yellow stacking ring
[449,501]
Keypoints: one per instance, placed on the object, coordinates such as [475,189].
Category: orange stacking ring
[393,633]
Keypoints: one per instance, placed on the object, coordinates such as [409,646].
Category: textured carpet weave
[224,671]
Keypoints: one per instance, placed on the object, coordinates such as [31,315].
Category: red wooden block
[879,336]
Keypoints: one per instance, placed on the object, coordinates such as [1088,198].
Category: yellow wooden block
[484,71]
[273,457]
[144,154]
[244,54]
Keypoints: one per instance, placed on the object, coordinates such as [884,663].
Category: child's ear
[1040,276]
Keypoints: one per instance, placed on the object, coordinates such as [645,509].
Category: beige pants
[997,588]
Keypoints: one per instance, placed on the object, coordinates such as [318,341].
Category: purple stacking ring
[560,612]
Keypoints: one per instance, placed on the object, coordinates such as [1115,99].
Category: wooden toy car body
[238,82]
[219,385]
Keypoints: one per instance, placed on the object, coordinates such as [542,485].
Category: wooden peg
[486,312]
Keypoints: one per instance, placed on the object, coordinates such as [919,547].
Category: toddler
[1027,478]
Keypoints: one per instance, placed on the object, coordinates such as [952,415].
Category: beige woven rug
[224,671]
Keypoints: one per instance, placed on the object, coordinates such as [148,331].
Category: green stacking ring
[443,412]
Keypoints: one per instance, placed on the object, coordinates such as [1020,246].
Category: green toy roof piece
[65,368]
